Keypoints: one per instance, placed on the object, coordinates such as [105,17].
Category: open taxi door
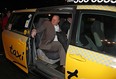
[15,48]
[15,38]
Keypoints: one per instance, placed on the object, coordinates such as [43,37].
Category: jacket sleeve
[41,28]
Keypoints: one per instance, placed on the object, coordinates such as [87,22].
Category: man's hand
[33,33]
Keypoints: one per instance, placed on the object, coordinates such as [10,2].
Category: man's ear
[58,21]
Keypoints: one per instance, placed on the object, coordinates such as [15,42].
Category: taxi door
[15,41]
[91,53]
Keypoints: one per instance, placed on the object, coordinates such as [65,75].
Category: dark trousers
[62,38]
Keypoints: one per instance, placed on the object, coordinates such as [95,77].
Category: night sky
[22,4]
[19,4]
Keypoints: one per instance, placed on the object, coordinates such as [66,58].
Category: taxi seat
[98,33]
[85,40]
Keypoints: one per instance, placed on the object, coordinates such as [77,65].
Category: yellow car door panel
[89,65]
[15,48]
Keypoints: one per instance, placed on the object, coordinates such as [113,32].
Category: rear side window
[20,21]
[98,33]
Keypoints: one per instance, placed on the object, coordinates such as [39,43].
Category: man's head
[8,13]
[55,20]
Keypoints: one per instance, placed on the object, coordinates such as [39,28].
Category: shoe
[61,69]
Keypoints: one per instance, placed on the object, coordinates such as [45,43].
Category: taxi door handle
[77,57]
[20,41]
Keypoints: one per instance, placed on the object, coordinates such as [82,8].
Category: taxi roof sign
[24,10]
[97,7]
[69,0]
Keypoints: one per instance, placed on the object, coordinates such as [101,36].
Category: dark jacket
[65,27]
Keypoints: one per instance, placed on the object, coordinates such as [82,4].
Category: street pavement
[9,71]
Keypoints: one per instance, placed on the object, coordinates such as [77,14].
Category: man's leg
[57,46]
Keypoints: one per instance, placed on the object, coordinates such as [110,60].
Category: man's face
[8,13]
[55,20]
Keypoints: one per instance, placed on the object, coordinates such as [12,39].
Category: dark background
[20,4]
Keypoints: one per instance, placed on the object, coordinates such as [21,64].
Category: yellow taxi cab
[91,52]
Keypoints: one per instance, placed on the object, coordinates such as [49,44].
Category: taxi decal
[19,64]
[93,56]
[17,55]
[71,74]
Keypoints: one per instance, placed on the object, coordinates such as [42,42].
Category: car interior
[94,34]
[50,59]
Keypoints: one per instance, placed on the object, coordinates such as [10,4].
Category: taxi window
[98,33]
[20,21]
